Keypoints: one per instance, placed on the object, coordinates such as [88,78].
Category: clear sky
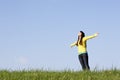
[36,34]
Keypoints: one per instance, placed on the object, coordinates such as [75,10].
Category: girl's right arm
[73,44]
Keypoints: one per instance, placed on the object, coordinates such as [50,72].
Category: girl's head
[81,34]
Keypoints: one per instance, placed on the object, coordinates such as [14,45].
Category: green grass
[59,75]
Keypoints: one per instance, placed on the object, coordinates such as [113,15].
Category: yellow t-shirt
[83,48]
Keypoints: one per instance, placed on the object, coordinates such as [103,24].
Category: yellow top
[83,48]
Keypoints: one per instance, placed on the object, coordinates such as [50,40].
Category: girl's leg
[82,61]
[86,61]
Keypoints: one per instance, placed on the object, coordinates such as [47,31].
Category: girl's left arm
[92,36]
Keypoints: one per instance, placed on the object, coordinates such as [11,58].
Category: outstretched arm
[92,36]
[73,44]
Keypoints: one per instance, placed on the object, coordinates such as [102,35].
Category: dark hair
[79,41]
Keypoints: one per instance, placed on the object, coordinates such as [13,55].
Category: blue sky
[36,34]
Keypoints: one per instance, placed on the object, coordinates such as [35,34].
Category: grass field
[59,75]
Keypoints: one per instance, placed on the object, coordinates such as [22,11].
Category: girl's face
[79,34]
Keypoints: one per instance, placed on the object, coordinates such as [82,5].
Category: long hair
[79,41]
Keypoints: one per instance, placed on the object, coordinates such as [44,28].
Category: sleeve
[73,44]
[90,37]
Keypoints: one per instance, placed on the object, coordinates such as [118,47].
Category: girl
[82,49]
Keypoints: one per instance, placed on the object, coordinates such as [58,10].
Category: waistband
[82,53]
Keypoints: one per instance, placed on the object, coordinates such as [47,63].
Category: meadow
[59,75]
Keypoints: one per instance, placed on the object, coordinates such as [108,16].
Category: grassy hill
[59,75]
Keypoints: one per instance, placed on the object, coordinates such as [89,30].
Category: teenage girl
[82,49]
